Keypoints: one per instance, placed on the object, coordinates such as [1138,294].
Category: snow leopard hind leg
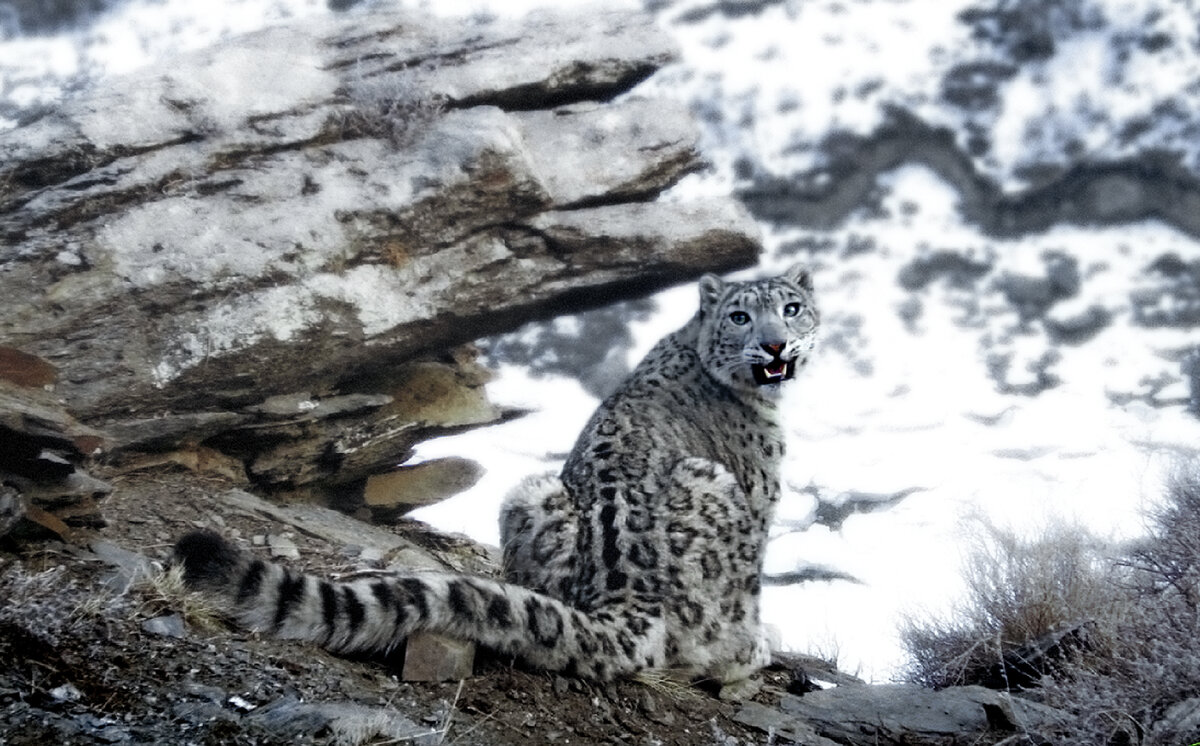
[715,538]
[710,538]
[538,529]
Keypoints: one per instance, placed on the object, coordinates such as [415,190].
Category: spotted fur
[644,554]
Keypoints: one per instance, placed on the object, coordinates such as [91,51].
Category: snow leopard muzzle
[777,370]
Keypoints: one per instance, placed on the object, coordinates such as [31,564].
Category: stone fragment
[430,657]
[397,492]
[32,421]
[41,445]
[305,406]
[69,490]
[66,693]
[282,547]
[12,508]
[297,449]
[21,521]
[165,626]
[26,370]
[169,432]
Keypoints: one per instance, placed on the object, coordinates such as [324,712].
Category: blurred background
[999,199]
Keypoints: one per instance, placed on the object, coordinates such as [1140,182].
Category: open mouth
[776,371]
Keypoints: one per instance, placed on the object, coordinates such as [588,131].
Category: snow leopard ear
[711,288]
[799,275]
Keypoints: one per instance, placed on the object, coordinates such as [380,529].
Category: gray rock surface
[258,247]
[392,494]
[904,713]
[44,490]
[170,625]
[185,235]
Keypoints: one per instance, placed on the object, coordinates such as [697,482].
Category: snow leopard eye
[740,318]
[791,309]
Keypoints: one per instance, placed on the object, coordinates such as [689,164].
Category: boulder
[392,494]
[263,248]
[181,238]
[44,489]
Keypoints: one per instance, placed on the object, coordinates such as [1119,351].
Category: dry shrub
[165,592]
[1144,690]
[383,108]
[1019,590]
[1138,680]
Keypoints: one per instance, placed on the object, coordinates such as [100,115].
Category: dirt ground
[86,660]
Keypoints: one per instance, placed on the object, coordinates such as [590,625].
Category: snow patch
[275,313]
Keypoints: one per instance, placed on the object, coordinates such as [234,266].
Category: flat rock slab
[315,202]
[773,722]
[395,552]
[392,494]
[866,715]
[429,657]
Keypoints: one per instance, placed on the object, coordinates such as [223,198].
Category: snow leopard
[644,555]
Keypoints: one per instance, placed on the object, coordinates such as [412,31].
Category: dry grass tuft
[1019,590]
[666,683]
[1137,681]
[384,109]
[165,593]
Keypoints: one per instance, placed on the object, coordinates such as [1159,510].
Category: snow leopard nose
[775,349]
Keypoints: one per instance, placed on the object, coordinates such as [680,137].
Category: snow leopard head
[755,335]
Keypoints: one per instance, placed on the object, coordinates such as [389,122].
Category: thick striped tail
[375,615]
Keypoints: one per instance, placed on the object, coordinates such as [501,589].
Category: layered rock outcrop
[274,248]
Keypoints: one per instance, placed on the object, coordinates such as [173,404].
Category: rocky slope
[100,648]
